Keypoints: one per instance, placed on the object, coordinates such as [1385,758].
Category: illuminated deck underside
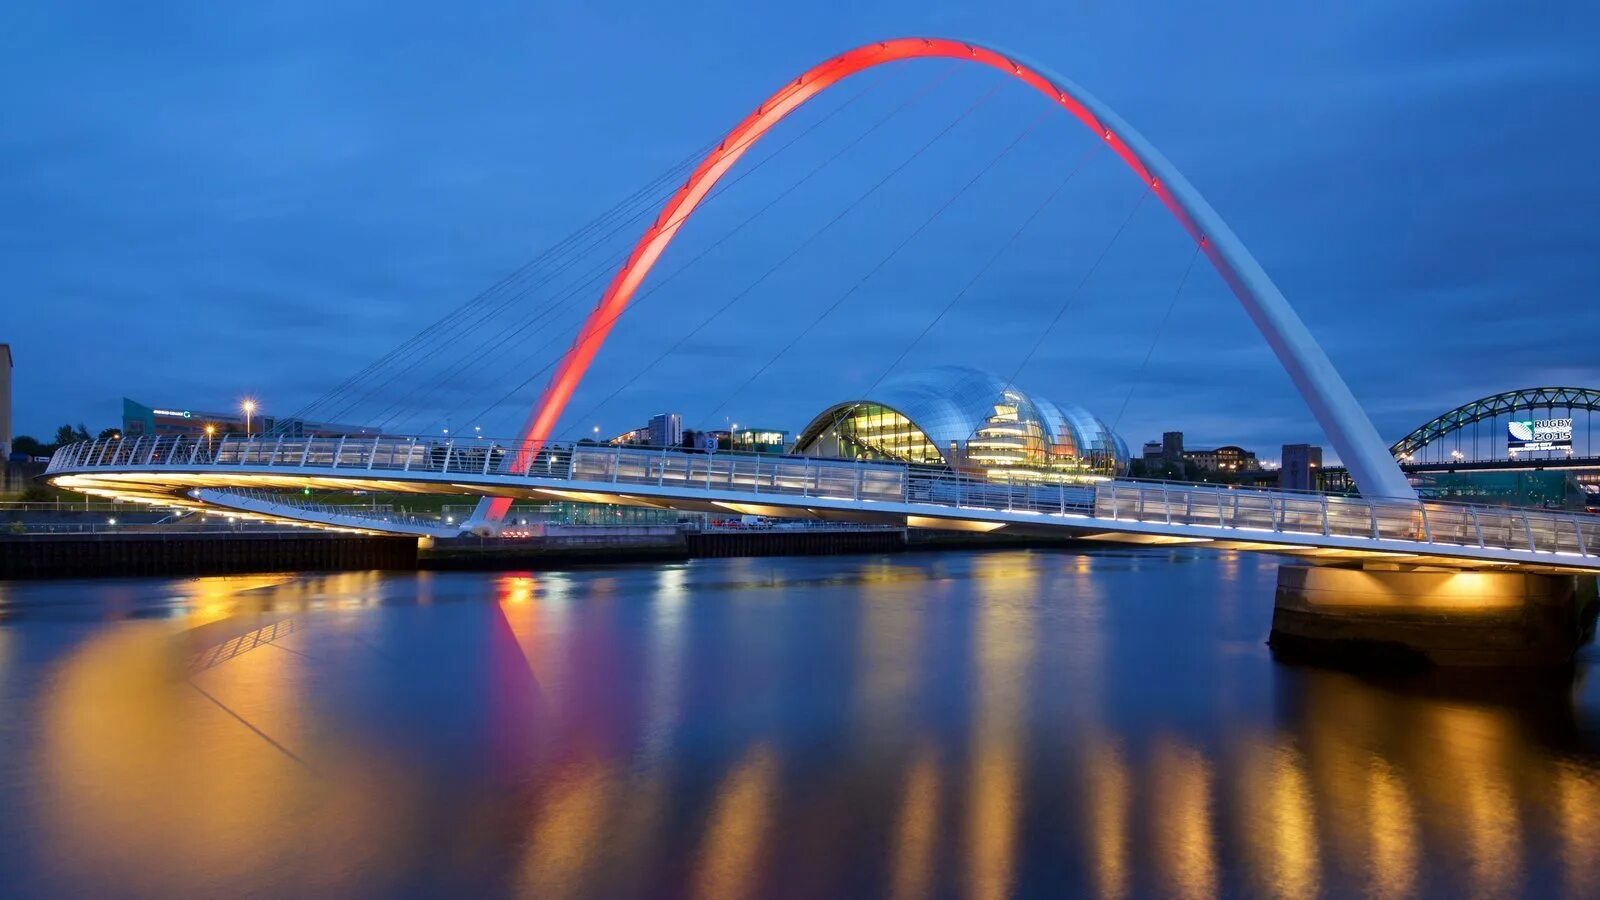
[1135,518]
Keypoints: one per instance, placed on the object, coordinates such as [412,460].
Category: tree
[65,435]
[106,433]
[23,443]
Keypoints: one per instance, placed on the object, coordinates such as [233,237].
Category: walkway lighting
[249,407]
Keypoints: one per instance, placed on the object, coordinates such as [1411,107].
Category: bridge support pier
[1393,618]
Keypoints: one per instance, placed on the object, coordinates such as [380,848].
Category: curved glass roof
[952,404]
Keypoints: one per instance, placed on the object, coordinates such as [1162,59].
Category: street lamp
[249,407]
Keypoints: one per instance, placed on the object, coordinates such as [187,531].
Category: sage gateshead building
[969,420]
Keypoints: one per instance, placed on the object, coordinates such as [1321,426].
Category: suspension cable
[1082,282]
[581,233]
[876,268]
[780,263]
[606,268]
[971,282]
[1160,329]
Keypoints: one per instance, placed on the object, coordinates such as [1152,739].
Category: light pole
[249,407]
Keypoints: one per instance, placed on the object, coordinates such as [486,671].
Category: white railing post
[449,448]
[1577,528]
[1527,526]
[305,450]
[1477,525]
[1372,511]
[1166,503]
[616,464]
[488,454]
[1427,530]
[411,449]
[273,459]
[661,476]
[373,456]
[338,452]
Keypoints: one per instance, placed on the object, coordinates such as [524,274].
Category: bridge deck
[198,471]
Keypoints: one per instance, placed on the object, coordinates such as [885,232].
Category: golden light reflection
[138,764]
[1392,825]
[1281,828]
[1180,798]
[1577,810]
[1109,819]
[212,599]
[1471,777]
[736,838]
[917,829]
[1004,649]
[561,855]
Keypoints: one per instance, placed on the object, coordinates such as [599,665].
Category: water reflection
[990,725]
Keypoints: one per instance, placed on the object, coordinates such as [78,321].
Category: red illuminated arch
[1346,425]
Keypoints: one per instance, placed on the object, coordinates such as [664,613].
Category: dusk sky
[211,201]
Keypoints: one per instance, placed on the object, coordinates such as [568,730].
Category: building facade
[139,419]
[665,430]
[5,402]
[1302,465]
[968,420]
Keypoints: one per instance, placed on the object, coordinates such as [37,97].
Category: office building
[665,430]
[1302,464]
[139,419]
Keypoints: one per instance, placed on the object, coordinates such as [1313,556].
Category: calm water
[943,724]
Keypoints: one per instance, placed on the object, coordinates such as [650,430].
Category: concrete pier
[1393,618]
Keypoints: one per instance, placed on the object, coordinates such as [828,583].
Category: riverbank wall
[130,554]
[115,555]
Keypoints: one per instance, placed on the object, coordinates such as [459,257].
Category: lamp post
[249,407]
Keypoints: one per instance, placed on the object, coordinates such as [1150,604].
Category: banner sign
[1539,434]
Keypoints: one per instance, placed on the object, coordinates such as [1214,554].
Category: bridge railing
[1427,522]
[1241,510]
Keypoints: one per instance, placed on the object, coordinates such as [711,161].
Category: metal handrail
[1426,522]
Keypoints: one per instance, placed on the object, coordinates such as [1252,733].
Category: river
[922,724]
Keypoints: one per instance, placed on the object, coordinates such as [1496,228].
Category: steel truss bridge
[240,475]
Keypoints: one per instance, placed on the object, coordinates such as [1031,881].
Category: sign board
[1538,434]
[708,443]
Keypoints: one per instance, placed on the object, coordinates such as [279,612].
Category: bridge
[237,474]
[1475,438]
[1388,522]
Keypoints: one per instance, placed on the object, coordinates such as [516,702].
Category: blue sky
[208,201]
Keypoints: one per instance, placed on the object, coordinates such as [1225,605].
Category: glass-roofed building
[970,420]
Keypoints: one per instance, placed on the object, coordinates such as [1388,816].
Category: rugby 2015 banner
[1539,434]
